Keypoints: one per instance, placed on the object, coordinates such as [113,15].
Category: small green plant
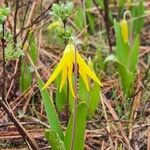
[4,12]
[126,56]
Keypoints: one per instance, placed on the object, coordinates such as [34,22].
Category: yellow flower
[124,30]
[66,66]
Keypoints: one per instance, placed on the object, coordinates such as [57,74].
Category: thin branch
[15,22]
[39,18]
[3,49]
[106,9]
[26,11]
[143,82]
[20,128]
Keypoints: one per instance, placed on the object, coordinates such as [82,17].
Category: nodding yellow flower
[124,30]
[65,66]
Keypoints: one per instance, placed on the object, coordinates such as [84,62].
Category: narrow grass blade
[50,111]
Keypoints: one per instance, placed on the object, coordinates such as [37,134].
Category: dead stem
[3,49]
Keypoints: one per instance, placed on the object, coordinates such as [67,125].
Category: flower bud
[124,30]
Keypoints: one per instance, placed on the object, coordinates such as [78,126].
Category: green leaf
[60,96]
[79,18]
[33,48]
[4,12]
[101,3]
[50,110]
[62,11]
[79,128]
[125,75]
[137,12]
[90,17]
[54,140]
[134,55]
[94,99]
[121,3]
[122,49]
[26,76]
[83,92]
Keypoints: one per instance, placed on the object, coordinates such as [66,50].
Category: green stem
[67,103]
[75,104]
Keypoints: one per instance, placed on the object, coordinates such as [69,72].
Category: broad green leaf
[125,75]
[91,98]
[54,140]
[137,12]
[33,47]
[94,99]
[122,49]
[83,92]
[50,110]
[79,128]
[71,102]
[134,55]
[60,96]
[26,76]
[60,99]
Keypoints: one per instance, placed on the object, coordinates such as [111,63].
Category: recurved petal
[60,66]
[70,79]
[63,79]
[84,77]
[86,69]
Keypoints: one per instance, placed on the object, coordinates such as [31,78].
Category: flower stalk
[75,102]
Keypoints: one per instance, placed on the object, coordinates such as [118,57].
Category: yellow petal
[84,77]
[69,49]
[124,30]
[86,69]
[70,79]
[64,76]
[60,66]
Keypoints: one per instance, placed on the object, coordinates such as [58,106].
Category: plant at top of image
[82,103]
[60,13]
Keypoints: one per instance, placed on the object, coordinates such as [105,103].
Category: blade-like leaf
[125,75]
[134,55]
[50,110]
[79,128]
[83,93]
[33,47]
[122,49]
[137,12]
[94,99]
[79,18]
[26,76]
[60,96]
[90,17]
[54,140]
